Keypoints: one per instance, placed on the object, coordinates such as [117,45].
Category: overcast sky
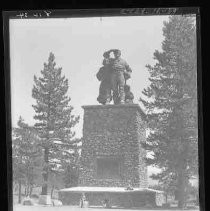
[78,45]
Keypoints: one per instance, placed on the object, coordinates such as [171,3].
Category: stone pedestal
[112,136]
[112,159]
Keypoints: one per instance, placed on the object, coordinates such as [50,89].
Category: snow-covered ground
[72,208]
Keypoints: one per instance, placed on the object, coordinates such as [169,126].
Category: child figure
[128,94]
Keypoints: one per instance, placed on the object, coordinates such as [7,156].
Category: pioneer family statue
[113,76]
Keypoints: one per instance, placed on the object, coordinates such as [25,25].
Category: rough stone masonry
[114,131]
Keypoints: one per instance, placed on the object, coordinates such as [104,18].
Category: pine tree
[25,154]
[71,169]
[171,104]
[54,118]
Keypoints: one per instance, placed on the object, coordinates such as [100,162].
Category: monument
[112,167]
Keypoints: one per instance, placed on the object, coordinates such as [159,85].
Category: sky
[78,45]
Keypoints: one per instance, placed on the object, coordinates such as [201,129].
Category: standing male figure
[104,75]
[120,70]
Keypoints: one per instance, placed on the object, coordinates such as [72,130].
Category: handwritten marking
[22,14]
[47,13]
[37,15]
[29,14]
[145,11]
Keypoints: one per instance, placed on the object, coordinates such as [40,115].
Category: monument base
[45,200]
[117,196]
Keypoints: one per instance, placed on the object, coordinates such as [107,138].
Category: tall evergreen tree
[25,154]
[54,118]
[171,104]
[71,169]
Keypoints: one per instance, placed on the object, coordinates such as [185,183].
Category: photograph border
[83,13]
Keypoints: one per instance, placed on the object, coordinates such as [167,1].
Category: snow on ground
[107,189]
[72,208]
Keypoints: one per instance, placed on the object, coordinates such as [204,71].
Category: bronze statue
[113,76]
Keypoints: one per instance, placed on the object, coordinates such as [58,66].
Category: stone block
[114,131]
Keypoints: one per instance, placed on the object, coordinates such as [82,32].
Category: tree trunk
[28,188]
[19,191]
[25,190]
[181,189]
[166,195]
[31,189]
[45,172]
[52,191]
